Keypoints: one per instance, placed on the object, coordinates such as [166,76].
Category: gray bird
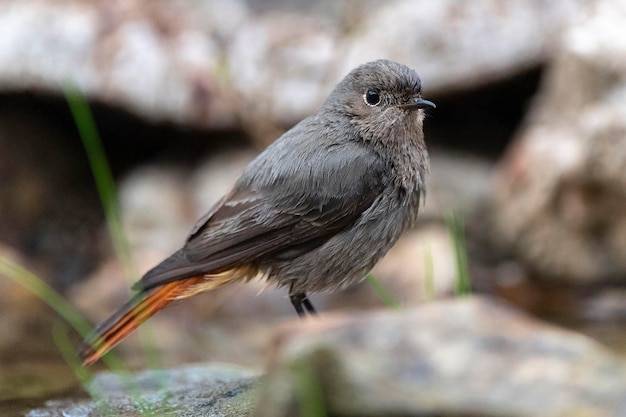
[315,211]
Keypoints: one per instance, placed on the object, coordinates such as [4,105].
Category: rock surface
[461,357]
[561,194]
[457,357]
[199,390]
[211,64]
[461,45]
[155,59]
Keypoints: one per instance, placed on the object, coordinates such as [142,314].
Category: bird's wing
[280,219]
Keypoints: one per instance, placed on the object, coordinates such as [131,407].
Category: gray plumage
[321,205]
[315,211]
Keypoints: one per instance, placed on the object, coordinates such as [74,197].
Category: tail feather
[132,314]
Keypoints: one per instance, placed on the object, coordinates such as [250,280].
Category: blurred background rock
[528,140]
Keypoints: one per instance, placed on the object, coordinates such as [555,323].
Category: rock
[155,59]
[301,58]
[156,207]
[215,176]
[560,197]
[160,203]
[609,304]
[458,46]
[457,181]
[219,65]
[196,390]
[420,255]
[462,357]
[293,57]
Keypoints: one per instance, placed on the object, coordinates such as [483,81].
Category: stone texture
[453,46]
[196,390]
[156,207]
[215,176]
[561,193]
[154,58]
[461,357]
[283,66]
[218,64]
[461,45]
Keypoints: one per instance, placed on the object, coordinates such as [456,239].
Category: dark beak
[418,103]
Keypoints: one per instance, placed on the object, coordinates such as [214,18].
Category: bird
[314,211]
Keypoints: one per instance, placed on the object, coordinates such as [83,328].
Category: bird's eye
[372,97]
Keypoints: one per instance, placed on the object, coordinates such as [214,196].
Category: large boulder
[461,357]
[469,357]
[195,390]
[219,64]
[561,193]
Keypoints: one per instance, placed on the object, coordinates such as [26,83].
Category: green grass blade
[382,292]
[108,196]
[43,291]
[70,315]
[102,175]
[64,345]
[456,227]
[54,300]
[429,271]
[308,391]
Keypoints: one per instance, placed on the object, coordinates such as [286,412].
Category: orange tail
[133,314]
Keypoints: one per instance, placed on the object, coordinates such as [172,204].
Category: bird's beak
[418,103]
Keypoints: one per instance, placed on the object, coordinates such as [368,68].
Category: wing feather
[258,221]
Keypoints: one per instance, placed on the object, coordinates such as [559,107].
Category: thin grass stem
[382,293]
[456,227]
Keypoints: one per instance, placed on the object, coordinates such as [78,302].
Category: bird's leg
[301,303]
[307,305]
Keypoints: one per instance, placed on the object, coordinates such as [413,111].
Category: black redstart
[315,211]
